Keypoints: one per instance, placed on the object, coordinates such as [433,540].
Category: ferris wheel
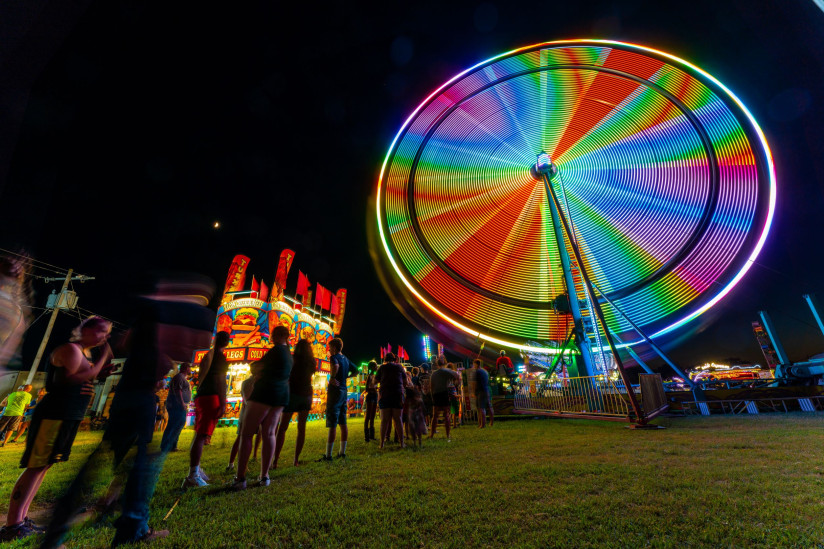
[585,181]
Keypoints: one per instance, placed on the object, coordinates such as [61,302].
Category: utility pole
[56,309]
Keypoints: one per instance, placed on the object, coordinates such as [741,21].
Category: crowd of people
[171,324]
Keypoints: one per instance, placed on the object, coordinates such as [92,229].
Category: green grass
[746,481]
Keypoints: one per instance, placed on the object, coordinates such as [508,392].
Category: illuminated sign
[257,354]
[246,302]
[199,356]
[235,354]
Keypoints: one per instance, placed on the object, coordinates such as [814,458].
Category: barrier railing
[593,396]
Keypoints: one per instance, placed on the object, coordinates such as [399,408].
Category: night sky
[129,128]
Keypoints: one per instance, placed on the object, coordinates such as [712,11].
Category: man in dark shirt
[392,379]
[439,383]
[336,410]
[482,400]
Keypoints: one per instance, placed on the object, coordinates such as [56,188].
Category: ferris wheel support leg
[560,356]
[599,313]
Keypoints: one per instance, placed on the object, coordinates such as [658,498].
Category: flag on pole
[303,284]
[264,291]
[335,307]
[255,288]
[237,274]
[341,296]
[284,263]
[383,353]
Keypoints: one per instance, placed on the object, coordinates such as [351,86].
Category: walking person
[28,414]
[170,322]
[269,396]
[304,366]
[392,379]
[16,403]
[177,406]
[336,410]
[210,404]
[482,400]
[439,382]
[371,403]
[57,418]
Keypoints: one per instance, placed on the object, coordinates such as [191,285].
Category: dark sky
[130,127]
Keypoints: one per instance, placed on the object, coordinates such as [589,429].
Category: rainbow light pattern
[665,175]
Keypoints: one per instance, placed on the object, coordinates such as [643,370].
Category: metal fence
[593,396]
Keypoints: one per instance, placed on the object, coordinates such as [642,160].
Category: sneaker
[264,481]
[324,457]
[153,534]
[203,475]
[238,484]
[18,531]
[193,482]
[30,523]
[230,468]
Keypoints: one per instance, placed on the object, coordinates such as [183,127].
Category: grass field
[746,481]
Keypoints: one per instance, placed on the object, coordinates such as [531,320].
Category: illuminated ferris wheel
[582,183]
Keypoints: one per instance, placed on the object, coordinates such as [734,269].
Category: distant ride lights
[662,175]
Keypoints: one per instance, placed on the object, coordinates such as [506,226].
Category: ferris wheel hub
[543,167]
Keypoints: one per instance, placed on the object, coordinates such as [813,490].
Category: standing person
[336,411]
[245,392]
[210,404]
[304,366]
[56,420]
[177,406]
[16,404]
[454,400]
[415,418]
[392,379]
[371,403]
[269,396]
[426,393]
[29,412]
[482,395]
[439,382]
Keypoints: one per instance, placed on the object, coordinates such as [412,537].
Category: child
[454,403]
[415,417]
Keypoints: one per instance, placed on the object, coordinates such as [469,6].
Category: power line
[33,263]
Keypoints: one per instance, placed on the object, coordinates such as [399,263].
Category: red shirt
[506,363]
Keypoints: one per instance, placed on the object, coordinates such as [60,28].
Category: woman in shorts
[300,398]
[54,424]
[269,396]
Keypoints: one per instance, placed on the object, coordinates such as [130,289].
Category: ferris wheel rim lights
[753,126]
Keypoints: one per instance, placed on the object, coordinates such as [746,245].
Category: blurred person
[300,398]
[161,415]
[29,412]
[415,417]
[454,400]
[177,406]
[439,382]
[426,393]
[16,404]
[15,295]
[269,396]
[482,400]
[340,368]
[392,379]
[370,403]
[245,392]
[210,405]
[171,321]
[505,363]
[57,418]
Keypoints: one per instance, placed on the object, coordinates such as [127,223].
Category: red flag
[264,291]
[319,295]
[335,307]
[388,348]
[341,295]
[383,352]
[255,287]
[303,284]
[237,274]
[284,263]
[327,298]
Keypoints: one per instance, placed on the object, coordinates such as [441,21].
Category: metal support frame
[554,203]
[766,321]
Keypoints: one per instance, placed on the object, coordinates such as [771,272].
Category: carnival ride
[582,192]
